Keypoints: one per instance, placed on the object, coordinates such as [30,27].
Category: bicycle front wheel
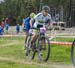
[29,52]
[73,52]
[43,49]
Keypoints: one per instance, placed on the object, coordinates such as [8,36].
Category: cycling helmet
[46,8]
[32,15]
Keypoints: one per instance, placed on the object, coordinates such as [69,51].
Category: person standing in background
[2,24]
[17,28]
[7,25]
[1,30]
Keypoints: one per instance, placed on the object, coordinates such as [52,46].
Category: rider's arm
[23,23]
[49,20]
[35,19]
[31,22]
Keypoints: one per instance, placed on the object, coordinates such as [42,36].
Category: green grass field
[60,39]
[12,54]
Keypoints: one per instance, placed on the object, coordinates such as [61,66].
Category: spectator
[6,21]
[57,17]
[7,25]
[1,30]
[17,28]
[3,24]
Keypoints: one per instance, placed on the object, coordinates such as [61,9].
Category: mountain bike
[41,45]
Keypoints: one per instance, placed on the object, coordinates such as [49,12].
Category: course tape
[51,37]
[47,35]
[61,43]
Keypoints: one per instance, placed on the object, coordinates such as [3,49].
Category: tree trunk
[61,13]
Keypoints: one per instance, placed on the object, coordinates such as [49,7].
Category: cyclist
[41,19]
[27,24]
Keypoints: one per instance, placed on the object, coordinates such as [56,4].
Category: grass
[59,54]
[60,39]
[12,38]
[8,64]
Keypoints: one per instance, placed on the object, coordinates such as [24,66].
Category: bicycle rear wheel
[43,49]
[73,52]
[29,52]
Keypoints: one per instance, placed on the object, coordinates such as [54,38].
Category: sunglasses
[47,11]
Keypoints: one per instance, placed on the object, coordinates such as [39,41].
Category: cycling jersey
[41,19]
[26,24]
[27,20]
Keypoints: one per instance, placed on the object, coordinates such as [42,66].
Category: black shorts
[39,26]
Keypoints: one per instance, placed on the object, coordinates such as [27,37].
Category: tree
[22,8]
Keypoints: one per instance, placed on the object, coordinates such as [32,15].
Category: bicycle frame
[36,46]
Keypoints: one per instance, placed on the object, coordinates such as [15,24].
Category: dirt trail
[9,44]
[12,59]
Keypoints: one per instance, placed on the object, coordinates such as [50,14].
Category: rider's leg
[26,32]
[34,36]
[26,36]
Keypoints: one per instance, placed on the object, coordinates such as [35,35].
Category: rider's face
[45,13]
